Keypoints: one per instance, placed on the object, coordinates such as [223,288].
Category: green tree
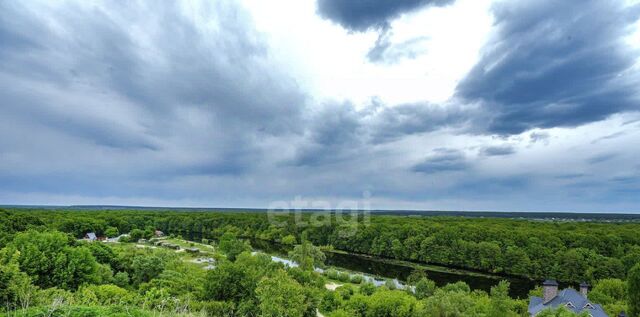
[609,291]
[367,288]
[500,301]
[111,232]
[135,235]
[145,267]
[50,261]
[289,240]
[16,289]
[231,246]
[633,291]
[121,279]
[280,296]
[424,288]
[391,304]
[307,255]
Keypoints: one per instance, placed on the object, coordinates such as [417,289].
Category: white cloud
[331,62]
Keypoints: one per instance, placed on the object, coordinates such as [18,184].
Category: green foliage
[367,288]
[424,288]
[609,291]
[75,273]
[51,261]
[16,289]
[146,267]
[356,279]
[561,312]
[236,281]
[135,235]
[111,232]
[500,301]
[633,291]
[345,291]
[280,296]
[391,304]
[232,247]
[307,255]
[330,301]
[121,279]
[289,240]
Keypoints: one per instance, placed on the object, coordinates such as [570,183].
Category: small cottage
[91,236]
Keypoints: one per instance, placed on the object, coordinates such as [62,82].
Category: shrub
[356,279]
[345,291]
[343,277]
[331,273]
[367,288]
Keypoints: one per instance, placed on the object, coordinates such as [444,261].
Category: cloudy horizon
[496,105]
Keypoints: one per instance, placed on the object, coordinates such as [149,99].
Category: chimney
[584,289]
[549,290]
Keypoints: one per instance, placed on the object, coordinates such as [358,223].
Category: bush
[367,288]
[343,277]
[289,240]
[424,288]
[331,273]
[345,291]
[356,279]
[330,301]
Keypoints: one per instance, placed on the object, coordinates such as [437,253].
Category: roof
[550,283]
[570,299]
[91,236]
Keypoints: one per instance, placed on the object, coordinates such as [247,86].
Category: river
[399,270]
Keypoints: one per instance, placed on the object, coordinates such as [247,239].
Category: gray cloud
[205,99]
[334,134]
[392,123]
[362,15]
[442,160]
[386,52]
[601,158]
[500,150]
[140,102]
[555,65]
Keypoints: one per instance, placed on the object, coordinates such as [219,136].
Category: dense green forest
[567,251]
[47,270]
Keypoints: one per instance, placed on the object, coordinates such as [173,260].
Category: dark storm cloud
[395,122]
[556,64]
[443,160]
[362,15]
[145,80]
[334,133]
[500,150]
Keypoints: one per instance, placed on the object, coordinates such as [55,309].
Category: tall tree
[281,296]
[633,291]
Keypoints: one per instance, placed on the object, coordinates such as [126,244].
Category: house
[158,233]
[575,301]
[91,236]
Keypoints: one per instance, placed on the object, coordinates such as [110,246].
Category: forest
[48,269]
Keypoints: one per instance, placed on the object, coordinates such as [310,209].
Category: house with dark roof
[575,301]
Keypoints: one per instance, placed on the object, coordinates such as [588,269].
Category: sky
[505,105]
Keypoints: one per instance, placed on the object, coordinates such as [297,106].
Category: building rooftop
[568,298]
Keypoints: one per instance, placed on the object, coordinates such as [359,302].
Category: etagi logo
[347,215]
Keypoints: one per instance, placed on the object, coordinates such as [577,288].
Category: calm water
[378,267]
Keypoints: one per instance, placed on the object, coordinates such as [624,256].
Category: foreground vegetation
[46,270]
